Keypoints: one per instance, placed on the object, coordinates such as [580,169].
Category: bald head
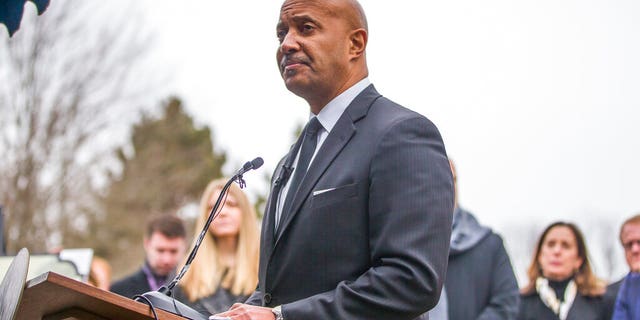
[349,10]
[322,48]
[354,14]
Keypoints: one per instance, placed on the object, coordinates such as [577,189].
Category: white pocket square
[317,192]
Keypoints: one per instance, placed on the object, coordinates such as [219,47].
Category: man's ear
[358,42]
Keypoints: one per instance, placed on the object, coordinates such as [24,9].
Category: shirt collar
[330,114]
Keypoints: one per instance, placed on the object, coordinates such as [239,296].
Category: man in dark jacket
[164,246]
[622,300]
[480,282]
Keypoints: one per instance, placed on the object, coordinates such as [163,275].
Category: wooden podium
[51,296]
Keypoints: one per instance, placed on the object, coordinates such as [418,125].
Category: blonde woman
[225,270]
[561,282]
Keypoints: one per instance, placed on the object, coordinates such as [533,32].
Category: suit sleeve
[505,297]
[255,298]
[410,209]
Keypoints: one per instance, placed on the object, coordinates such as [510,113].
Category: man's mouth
[290,64]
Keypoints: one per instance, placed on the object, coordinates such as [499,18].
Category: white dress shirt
[327,117]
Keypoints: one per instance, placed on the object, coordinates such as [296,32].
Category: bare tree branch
[66,75]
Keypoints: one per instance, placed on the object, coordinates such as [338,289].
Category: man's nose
[167,257]
[289,43]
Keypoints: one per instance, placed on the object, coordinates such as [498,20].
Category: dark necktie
[309,142]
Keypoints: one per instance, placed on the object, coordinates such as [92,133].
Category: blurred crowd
[480,282]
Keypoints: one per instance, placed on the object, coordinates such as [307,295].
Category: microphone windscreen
[257,163]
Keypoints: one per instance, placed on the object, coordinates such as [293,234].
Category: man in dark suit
[164,247]
[626,304]
[358,221]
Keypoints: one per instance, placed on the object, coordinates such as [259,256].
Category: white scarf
[548,297]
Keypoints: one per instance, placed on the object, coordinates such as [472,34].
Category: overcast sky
[537,101]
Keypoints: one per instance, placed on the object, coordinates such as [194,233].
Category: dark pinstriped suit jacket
[369,233]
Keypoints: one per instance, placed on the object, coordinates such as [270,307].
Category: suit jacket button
[267,298]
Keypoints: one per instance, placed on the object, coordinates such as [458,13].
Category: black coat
[480,282]
[131,285]
[218,302]
[610,298]
[583,308]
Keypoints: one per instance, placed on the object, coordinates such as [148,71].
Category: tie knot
[313,126]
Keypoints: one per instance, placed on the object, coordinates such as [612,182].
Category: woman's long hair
[207,273]
[586,281]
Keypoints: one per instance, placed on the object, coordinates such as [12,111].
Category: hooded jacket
[480,282]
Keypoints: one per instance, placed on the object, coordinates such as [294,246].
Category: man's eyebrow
[303,18]
[298,19]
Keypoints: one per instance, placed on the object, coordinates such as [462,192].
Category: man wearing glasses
[624,295]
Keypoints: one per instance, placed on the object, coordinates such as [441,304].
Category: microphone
[251,165]
[161,298]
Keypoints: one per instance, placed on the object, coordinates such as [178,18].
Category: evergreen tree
[172,163]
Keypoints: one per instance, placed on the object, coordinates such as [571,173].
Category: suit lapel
[267,234]
[268,225]
[329,150]
[341,133]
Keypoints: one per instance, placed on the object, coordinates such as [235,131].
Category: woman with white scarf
[562,285]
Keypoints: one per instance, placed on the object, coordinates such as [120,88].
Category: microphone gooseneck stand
[161,298]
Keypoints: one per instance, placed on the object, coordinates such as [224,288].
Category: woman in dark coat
[225,271]
[562,285]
